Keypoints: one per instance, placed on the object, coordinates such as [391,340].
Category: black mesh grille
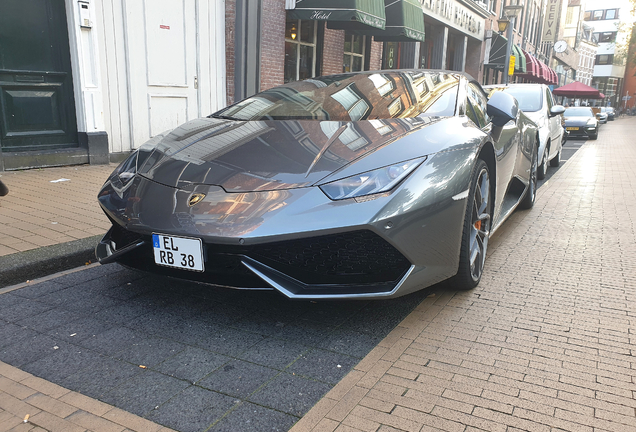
[357,255]
[355,259]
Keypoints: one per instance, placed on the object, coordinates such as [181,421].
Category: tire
[595,136]
[527,201]
[556,161]
[543,168]
[476,230]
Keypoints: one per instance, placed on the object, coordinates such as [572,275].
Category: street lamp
[511,12]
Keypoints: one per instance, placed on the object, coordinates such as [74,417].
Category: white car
[537,102]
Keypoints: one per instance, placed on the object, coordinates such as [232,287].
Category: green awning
[497,57]
[498,46]
[365,12]
[404,23]
[520,59]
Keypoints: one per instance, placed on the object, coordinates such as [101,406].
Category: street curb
[36,263]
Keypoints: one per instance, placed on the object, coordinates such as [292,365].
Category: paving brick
[16,389]
[44,387]
[94,423]
[15,406]
[13,373]
[50,405]
[53,423]
[85,403]
[347,403]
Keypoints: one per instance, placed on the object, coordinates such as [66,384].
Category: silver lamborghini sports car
[362,185]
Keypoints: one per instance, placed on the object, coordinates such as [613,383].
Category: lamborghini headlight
[128,168]
[371,182]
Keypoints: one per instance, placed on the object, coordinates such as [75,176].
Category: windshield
[352,97]
[530,98]
[579,112]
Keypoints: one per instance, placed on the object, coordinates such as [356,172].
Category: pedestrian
[3,189]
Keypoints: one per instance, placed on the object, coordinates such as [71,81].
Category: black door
[37,107]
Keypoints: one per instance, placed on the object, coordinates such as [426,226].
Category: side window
[478,101]
[470,112]
[548,99]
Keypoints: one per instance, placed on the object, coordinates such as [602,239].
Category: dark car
[363,185]
[581,122]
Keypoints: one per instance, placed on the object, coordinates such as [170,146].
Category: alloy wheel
[480,225]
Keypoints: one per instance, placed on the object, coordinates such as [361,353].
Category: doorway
[37,105]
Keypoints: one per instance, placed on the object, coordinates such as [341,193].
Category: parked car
[601,115]
[362,185]
[537,102]
[611,113]
[581,121]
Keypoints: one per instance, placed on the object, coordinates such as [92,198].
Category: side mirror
[502,107]
[556,110]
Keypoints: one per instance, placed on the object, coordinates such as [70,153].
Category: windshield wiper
[226,117]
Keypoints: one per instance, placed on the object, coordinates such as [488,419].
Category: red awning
[538,71]
[532,66]
[577,89]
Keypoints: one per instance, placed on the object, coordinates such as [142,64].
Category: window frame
[351,54]
[298,43]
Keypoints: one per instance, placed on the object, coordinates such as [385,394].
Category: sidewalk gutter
[31,264]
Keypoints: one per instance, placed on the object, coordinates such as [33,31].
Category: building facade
[81,81]
[109,74]
[609,67]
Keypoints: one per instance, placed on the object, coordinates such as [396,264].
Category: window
[353,59]
[604,59]
[382,83]
[300,49]
[548,99]
[611,14]
[352,102]
[478,102]
[597,15]
[604,37]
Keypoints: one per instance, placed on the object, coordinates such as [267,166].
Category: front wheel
[556,161]
[531,191]
[476,230]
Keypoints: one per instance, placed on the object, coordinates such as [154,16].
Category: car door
[556,128]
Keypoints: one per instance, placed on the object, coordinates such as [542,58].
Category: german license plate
[178,252]
[572,128]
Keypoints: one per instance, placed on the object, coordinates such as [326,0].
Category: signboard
[511,68]
[550,21]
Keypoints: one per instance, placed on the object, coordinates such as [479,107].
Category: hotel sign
[455,15]
[550,21]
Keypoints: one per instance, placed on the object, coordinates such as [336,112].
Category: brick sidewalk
[544,343]
[38,212]
[28,403]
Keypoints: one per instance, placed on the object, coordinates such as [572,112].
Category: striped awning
[404,23]
[366,12]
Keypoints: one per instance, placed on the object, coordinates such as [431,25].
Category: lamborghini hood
[248,156]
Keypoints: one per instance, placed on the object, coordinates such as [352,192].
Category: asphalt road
[192,357]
